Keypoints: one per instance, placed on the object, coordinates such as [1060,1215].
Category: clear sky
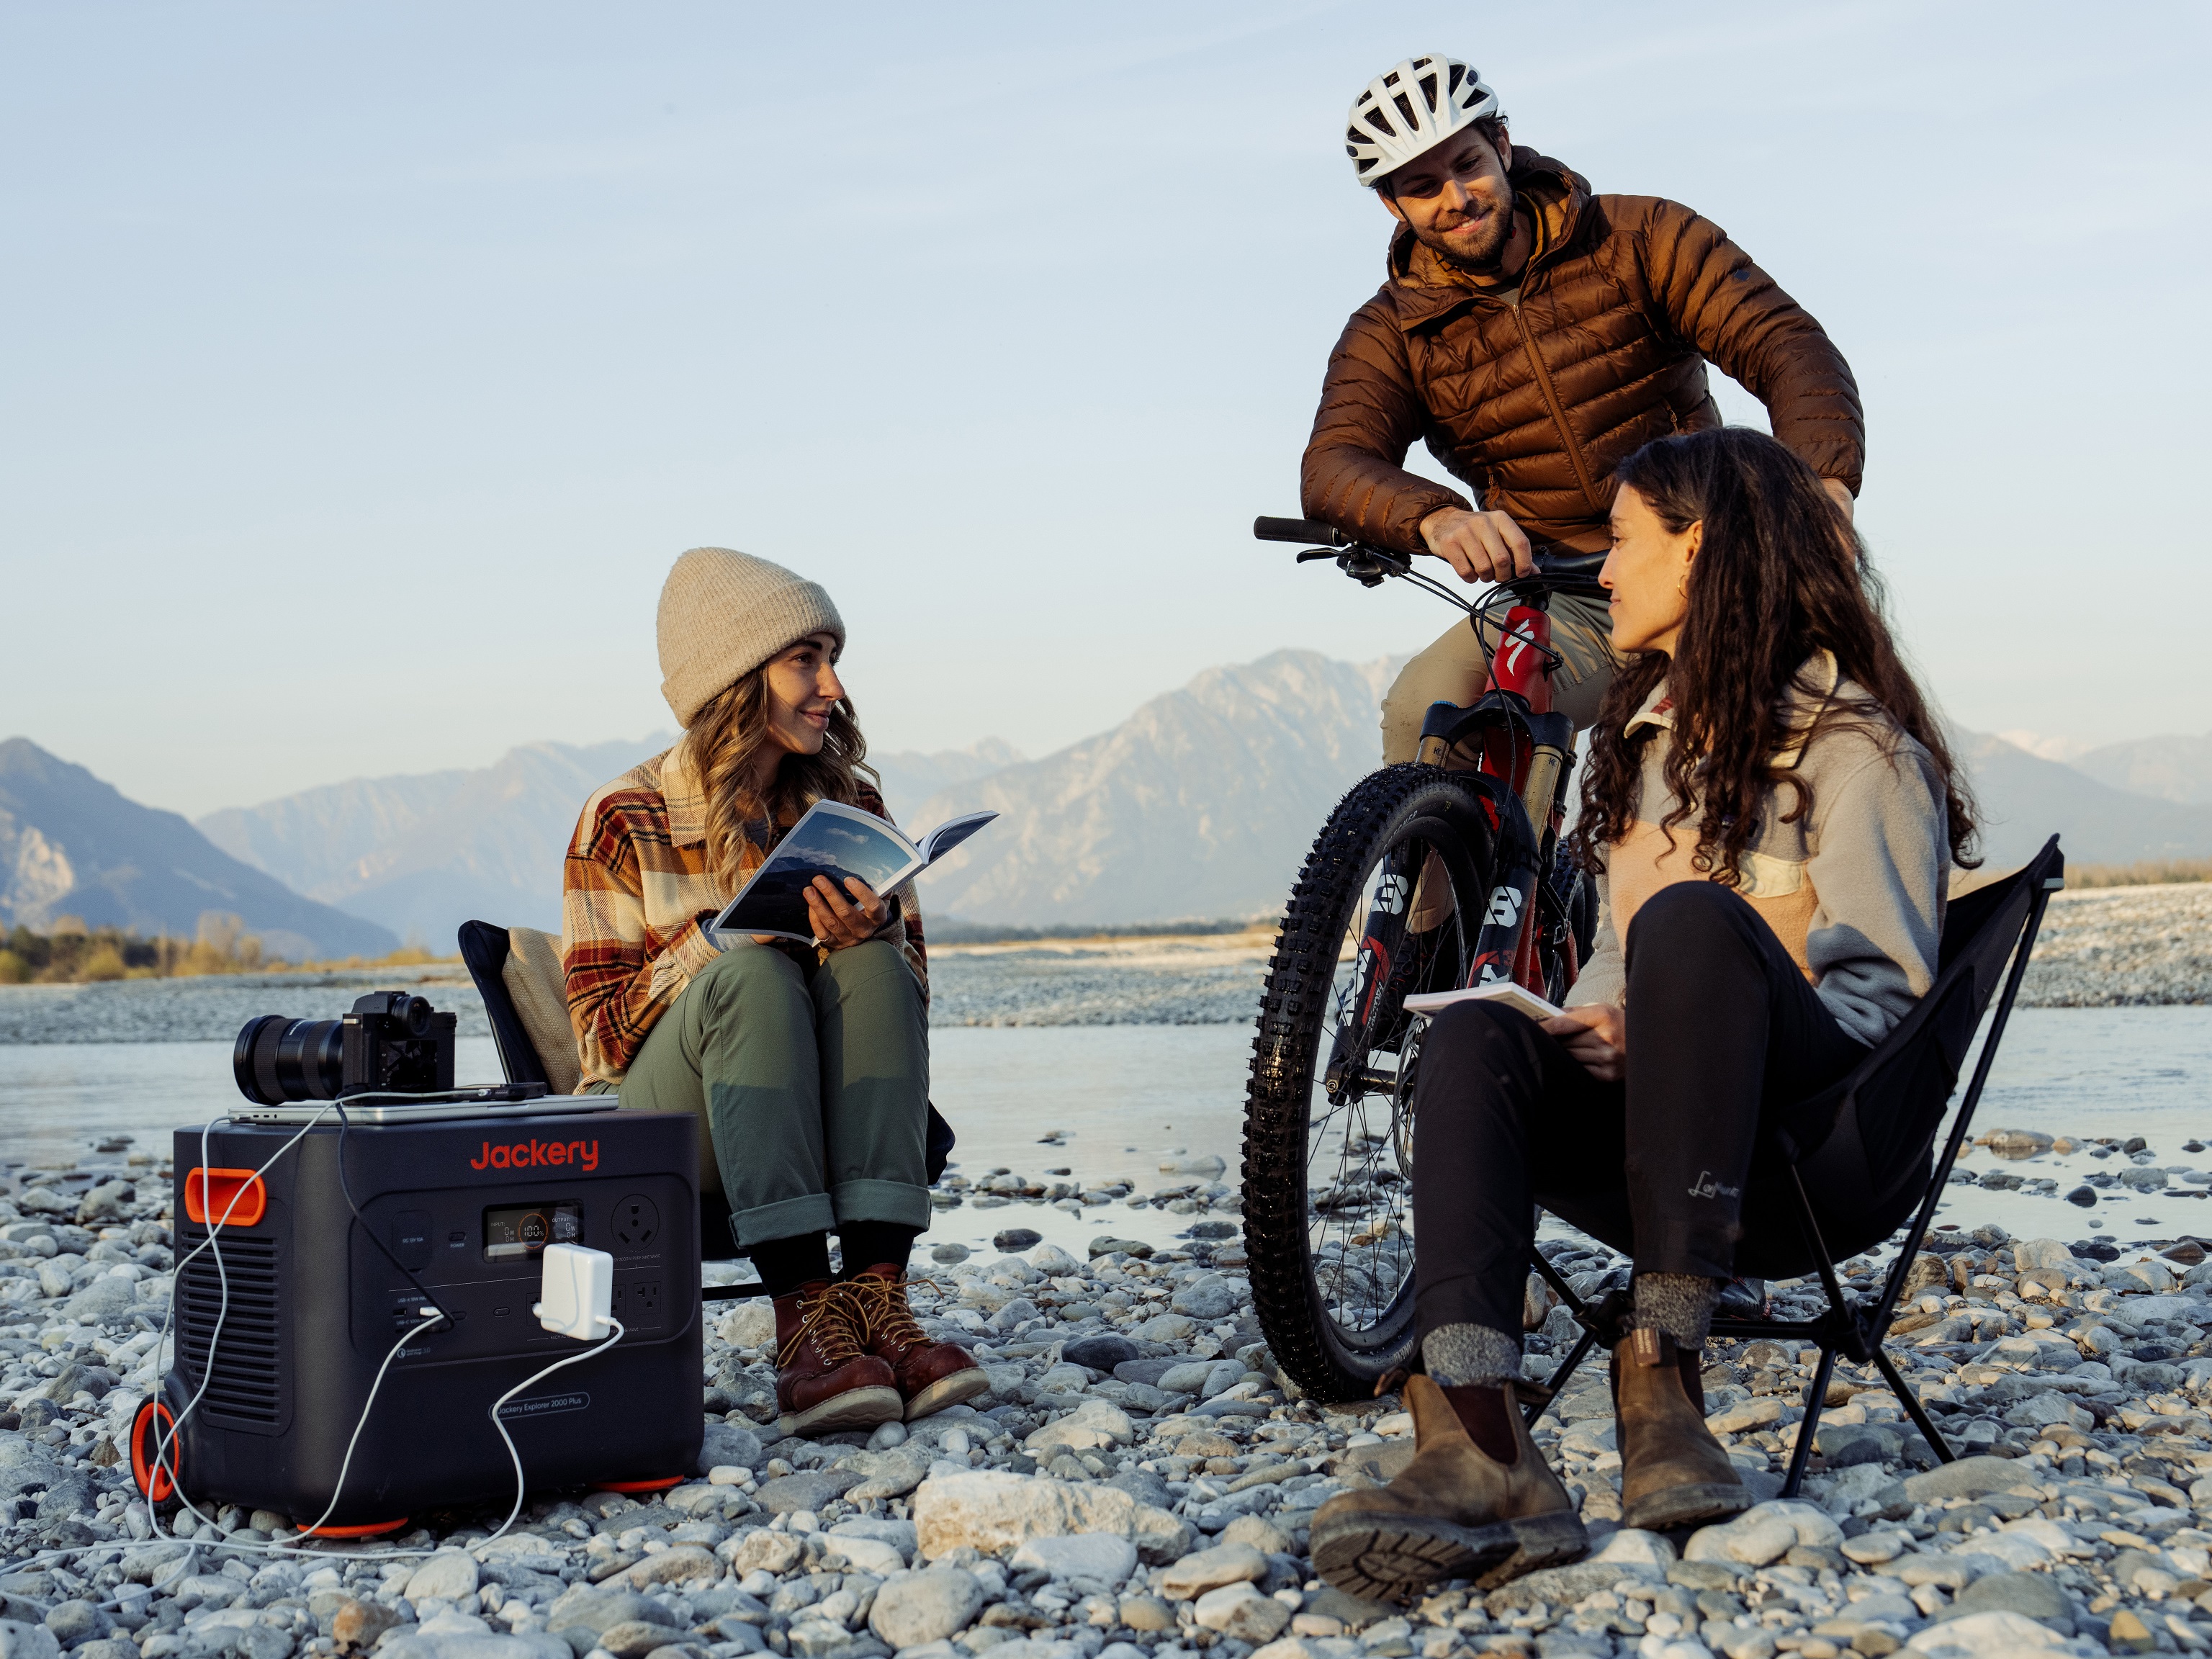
[366,365]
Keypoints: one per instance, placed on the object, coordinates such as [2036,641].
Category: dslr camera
[391,1043]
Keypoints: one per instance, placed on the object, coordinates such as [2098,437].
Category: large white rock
[925,1607]
[449,1573]
[1096,1555]
[1091,1427]
[1209,1569]
[1240,1610]
[1633,1545]
[23,1641]
[869,1555]
[1986,1636]
[1764,1533]
[750,1325]
[990,1510]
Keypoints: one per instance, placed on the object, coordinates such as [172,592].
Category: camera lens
[418,1015]
[277,1060]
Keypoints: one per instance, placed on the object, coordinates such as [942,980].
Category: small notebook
[1519,997]
[835,841]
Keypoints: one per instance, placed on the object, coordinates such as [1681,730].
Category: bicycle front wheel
[1389,904]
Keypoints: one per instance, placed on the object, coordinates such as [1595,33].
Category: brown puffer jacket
[1535,400]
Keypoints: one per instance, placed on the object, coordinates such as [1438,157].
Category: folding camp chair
[497,958]
[1918,1064]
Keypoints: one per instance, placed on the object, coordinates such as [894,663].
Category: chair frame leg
[1599,1320]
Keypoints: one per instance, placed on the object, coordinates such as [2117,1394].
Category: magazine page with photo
[839,842]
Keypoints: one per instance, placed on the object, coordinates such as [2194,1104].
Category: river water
[1119,1099]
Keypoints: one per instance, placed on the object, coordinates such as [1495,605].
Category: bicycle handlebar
[1310,531]
[1573,571]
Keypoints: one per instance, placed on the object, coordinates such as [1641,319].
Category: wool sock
[865,1244]
[785,1264]
[1680,1304]
[1459,1356]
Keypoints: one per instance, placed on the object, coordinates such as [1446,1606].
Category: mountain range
[1200,804]
[72,846]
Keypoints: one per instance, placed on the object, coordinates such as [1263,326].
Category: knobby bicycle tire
[1380,812]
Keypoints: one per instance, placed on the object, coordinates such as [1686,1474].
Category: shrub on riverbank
[2151,873]
[73,954]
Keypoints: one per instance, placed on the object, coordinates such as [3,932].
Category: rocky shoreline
[1140,1479]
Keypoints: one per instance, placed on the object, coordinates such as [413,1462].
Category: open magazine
[835,841]
[1518,998]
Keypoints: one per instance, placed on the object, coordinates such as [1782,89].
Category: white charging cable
[576,1287]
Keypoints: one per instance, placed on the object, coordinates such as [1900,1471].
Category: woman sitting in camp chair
[807,1067]
[1772,813]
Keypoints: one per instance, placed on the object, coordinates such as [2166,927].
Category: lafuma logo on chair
[537,1155]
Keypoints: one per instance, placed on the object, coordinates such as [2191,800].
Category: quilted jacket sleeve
[1738,317]
[1370,416]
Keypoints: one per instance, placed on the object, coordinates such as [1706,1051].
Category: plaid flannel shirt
[637,900]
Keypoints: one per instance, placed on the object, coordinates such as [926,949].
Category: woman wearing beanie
[807,1067]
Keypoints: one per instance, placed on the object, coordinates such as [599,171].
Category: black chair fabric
[1854,1138]
[483,950]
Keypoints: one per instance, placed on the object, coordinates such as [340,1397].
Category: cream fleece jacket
[1855,891]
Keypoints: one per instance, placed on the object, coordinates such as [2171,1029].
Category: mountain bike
[1443,872]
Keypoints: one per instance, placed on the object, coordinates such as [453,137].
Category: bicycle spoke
[1360,1141]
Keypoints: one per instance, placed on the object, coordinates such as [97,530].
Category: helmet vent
[1410,108]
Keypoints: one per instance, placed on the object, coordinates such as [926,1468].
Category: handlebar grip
[1305,531]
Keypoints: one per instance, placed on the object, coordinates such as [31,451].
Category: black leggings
[1725,1037]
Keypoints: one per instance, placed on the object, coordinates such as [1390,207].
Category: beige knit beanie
[723,614]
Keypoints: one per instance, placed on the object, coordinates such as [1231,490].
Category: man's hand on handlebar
[1596,1034]
[1483,547]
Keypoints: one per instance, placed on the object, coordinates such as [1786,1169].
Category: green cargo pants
[810,1087]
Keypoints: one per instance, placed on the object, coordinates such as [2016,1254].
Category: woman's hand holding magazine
[837,924]
[1596,1034]
[832,851]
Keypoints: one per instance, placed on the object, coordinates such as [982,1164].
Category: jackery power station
[306,1302]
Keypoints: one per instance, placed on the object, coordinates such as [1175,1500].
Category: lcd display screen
[514,1232]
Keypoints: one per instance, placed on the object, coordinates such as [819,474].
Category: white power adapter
[579,1291]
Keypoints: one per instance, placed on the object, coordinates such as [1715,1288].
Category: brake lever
[1312,553]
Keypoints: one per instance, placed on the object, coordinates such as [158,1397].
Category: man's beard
[1482,254]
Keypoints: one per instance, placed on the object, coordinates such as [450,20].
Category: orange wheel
[156,1450]
[641,1485]
[371,1530]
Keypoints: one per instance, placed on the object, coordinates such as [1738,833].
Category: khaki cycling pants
[1452,670]
[810,1086]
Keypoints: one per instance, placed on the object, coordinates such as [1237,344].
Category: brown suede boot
[825,1380]
[931,1375]
[1454,1511]
[1673,1472]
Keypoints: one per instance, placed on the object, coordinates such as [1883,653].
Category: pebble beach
[1140,1479]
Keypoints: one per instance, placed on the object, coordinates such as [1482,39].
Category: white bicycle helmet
[1412,109]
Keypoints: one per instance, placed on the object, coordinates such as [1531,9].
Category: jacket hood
[1552,189]
[1817,682]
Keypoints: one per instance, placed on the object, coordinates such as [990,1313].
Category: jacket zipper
[1558,410]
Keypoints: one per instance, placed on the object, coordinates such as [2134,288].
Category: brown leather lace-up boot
[1673,1472]
[825,1379]
[931,1375]
[1456,1511]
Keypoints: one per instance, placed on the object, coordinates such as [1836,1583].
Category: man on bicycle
[1534,335]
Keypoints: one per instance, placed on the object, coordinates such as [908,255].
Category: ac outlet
[636,1302]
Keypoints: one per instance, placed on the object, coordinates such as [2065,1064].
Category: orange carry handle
[236,1197]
